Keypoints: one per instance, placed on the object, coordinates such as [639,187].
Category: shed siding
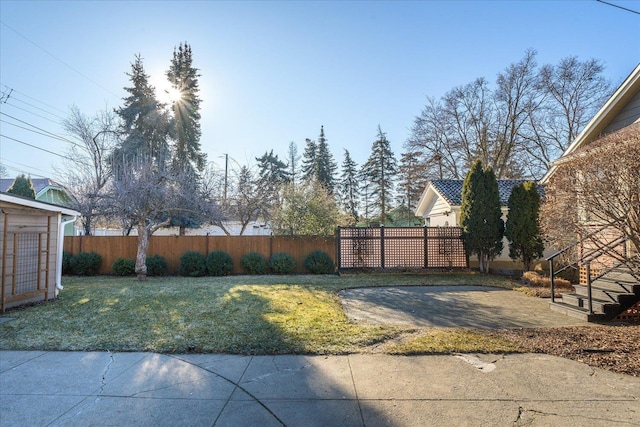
[628,115]
[28,254]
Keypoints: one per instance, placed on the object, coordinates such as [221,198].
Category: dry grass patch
[447,341]
[536,285]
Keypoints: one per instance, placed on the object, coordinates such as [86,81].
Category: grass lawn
[235,314]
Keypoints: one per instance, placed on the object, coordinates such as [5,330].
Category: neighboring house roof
[46,189]
[621,110]
[451,191]
[25,201]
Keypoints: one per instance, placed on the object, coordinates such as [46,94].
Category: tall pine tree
[481,215]
[144,122]
[326,164]
[318,163]
[309,160]
[380,171]
[350,186]
[185,129]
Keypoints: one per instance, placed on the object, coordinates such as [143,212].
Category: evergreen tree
[272,175]
[349,186]
[380,171]
[523,224]
[310,161]
[144,122]
[22,186]
[185,129]
[481,216]
[327,166]
[294,162]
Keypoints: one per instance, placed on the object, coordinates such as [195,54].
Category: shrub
[219,263]
[192,264]
[319,262]
[85,263]
[156,265]
[124,266]
[66,262]
[254,263]
[281,263]
[534,279]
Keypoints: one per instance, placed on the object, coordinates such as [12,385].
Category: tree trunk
[141,256]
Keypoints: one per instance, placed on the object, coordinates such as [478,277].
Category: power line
[618,6]
[60,60]
[28,171]
[34,99]
[43,131]
[33,114]
[36,147]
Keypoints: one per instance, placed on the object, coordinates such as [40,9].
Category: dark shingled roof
[38,184]
[451,189]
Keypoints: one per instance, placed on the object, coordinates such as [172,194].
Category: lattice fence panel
[404,247]
[445,248]
[401,247]
[360,248]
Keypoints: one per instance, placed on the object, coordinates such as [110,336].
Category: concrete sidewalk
[144,389]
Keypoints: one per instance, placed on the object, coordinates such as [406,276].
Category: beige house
[440,206]
[31,236]
[603,252]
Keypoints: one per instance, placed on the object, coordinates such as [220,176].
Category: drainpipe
[61,225]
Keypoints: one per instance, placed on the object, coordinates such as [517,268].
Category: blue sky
[274,72]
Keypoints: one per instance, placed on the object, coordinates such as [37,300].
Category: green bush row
[195,264]
[219,263]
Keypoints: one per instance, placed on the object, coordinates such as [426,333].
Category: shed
[31,239]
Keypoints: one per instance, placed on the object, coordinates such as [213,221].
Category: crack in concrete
[103,380]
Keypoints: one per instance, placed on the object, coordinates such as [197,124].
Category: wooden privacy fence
[401,247]
[172,247]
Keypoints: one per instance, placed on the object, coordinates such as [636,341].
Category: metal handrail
[584,260]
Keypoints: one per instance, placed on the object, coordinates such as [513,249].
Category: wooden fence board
[172,247]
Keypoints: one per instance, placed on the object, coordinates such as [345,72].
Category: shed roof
[24,201]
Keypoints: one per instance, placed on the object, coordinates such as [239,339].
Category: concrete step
[575,312]
[621,275]
[599,306]
[604,294]
[615,286]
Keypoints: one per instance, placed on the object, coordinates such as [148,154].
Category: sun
[173,94]
[165,93]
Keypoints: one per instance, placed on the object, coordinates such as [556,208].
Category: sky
[274,72]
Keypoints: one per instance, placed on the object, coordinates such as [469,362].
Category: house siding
[628,115]
[441,215]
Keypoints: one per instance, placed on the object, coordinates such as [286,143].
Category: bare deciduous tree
[598,186]
[86,172]
[516,128]
[149,196]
